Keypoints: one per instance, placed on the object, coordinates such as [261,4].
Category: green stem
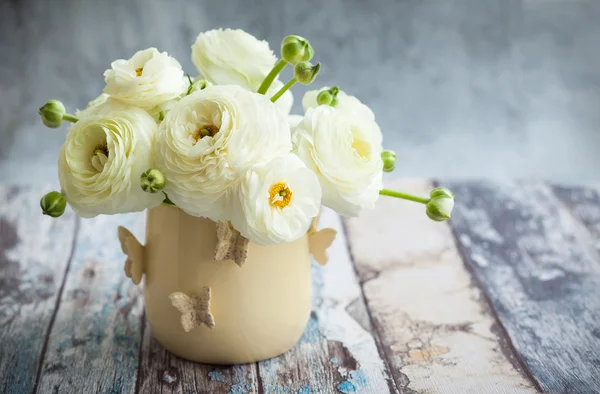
[277,68]
[70,118]
[285,87]
[404,196]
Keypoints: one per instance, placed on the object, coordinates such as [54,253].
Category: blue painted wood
[94,343]
[34,253]
[540,267]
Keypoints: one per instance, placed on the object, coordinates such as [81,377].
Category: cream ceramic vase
[257,310]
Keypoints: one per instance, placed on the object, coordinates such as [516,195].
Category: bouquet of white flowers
[223,145]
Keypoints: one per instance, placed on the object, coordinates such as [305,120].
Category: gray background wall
[461,88]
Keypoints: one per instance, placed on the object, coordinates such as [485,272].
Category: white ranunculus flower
[344,154]
[210,138]
[148,79]
[232,57]
[276,202]
[102,159]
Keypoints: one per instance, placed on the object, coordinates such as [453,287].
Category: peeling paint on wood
[34,253]
[427,328]
[94,343]
[541,273]
[433,323]
[337,353]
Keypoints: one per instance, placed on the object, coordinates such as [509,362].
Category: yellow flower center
[99,157]
[205,131]
[361,147]
[280,195]
[138,71]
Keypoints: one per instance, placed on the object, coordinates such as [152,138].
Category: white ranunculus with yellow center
[210,138]
[101,161]
[276,202]
[150,78]
[345,155]
[234,57]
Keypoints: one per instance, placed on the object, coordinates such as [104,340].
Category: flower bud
[439,207]
[153,181]
[53,204]
[295,49]
[389,160]
[325,98]
[328,97]
[305,72]
[52,113]
[198,84]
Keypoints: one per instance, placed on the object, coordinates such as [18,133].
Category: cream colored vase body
[260,309]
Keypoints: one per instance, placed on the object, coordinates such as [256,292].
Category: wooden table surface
[505,298]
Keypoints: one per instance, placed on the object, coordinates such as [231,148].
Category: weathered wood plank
[584,205]
[34,254]
[541,271]
[163,372]
[95,340]
[337,352]
[435,326]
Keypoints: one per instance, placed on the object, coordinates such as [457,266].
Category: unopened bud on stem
[53,204]
[295,49]
[440,205]
[328,96]
[389,160]
[153,181]
[52,113]
[305,72]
